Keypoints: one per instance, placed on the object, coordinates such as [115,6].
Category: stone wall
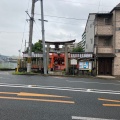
[105,49]
[116,65]
[103,30]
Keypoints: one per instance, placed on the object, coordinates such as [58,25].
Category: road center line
[33,94]
[40,95]
[39,100]
[111,105]
[108,100]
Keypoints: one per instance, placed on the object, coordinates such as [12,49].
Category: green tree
[78,49]
[37,47]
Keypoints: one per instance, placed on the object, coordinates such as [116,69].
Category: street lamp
[18,64]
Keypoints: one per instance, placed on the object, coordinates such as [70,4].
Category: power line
[63,23]
[78,19]
[99,5]
[23,37]
[28,4]
[37,34]
[82,3]
[62,17]
[37,28]
[24,29]
[12,32]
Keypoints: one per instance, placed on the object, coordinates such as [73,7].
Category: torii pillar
[66,58]
[48,50]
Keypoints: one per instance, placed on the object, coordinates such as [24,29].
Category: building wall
[106,31]
[105,41]
[90,34]
[75,45]
[112,29]
[72,46]
[101,19]
[117,33]
[101,41]
[116,65]
[83,40]
[82,43]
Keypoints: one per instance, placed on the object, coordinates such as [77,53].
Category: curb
[73,76]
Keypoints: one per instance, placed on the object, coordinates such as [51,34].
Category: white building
[82,43]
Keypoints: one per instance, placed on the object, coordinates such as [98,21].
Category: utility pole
[30,37]
[25,46]
[43,39]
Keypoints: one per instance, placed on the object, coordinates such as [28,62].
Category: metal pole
[25,46]
[30,37]
[43,39]
[73,70]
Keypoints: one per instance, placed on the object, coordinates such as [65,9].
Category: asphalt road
[58,98]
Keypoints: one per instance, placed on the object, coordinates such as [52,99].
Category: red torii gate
[57,50]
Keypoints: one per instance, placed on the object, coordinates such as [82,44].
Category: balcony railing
[103,30]
[105,49]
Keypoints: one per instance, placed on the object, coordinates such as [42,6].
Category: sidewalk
[104,76]
[52,73]
[76,76]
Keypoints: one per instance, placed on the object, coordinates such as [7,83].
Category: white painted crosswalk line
[4,73]
[88,118]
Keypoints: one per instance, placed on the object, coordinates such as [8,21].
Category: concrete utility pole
[30,37]
[25,46]
[43,39]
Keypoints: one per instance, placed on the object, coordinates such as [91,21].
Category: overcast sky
[14,27]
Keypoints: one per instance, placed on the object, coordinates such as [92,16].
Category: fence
[9,65]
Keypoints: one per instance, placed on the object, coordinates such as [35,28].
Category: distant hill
[3,58]
[7,58]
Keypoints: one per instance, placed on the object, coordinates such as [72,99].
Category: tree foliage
[37,47]
[77,49]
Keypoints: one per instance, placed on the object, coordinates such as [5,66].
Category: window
[90,25]
[91,41]
[117,50]
[106,42]
[84,42]
[117,28]
[107,21]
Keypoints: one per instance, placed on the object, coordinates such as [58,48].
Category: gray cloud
[13,18]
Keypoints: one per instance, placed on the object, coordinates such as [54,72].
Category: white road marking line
[59,77]
[88,90]
[61,88]
[4,73]
[29,86]
[88,118]
[4,78]
[92,82]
